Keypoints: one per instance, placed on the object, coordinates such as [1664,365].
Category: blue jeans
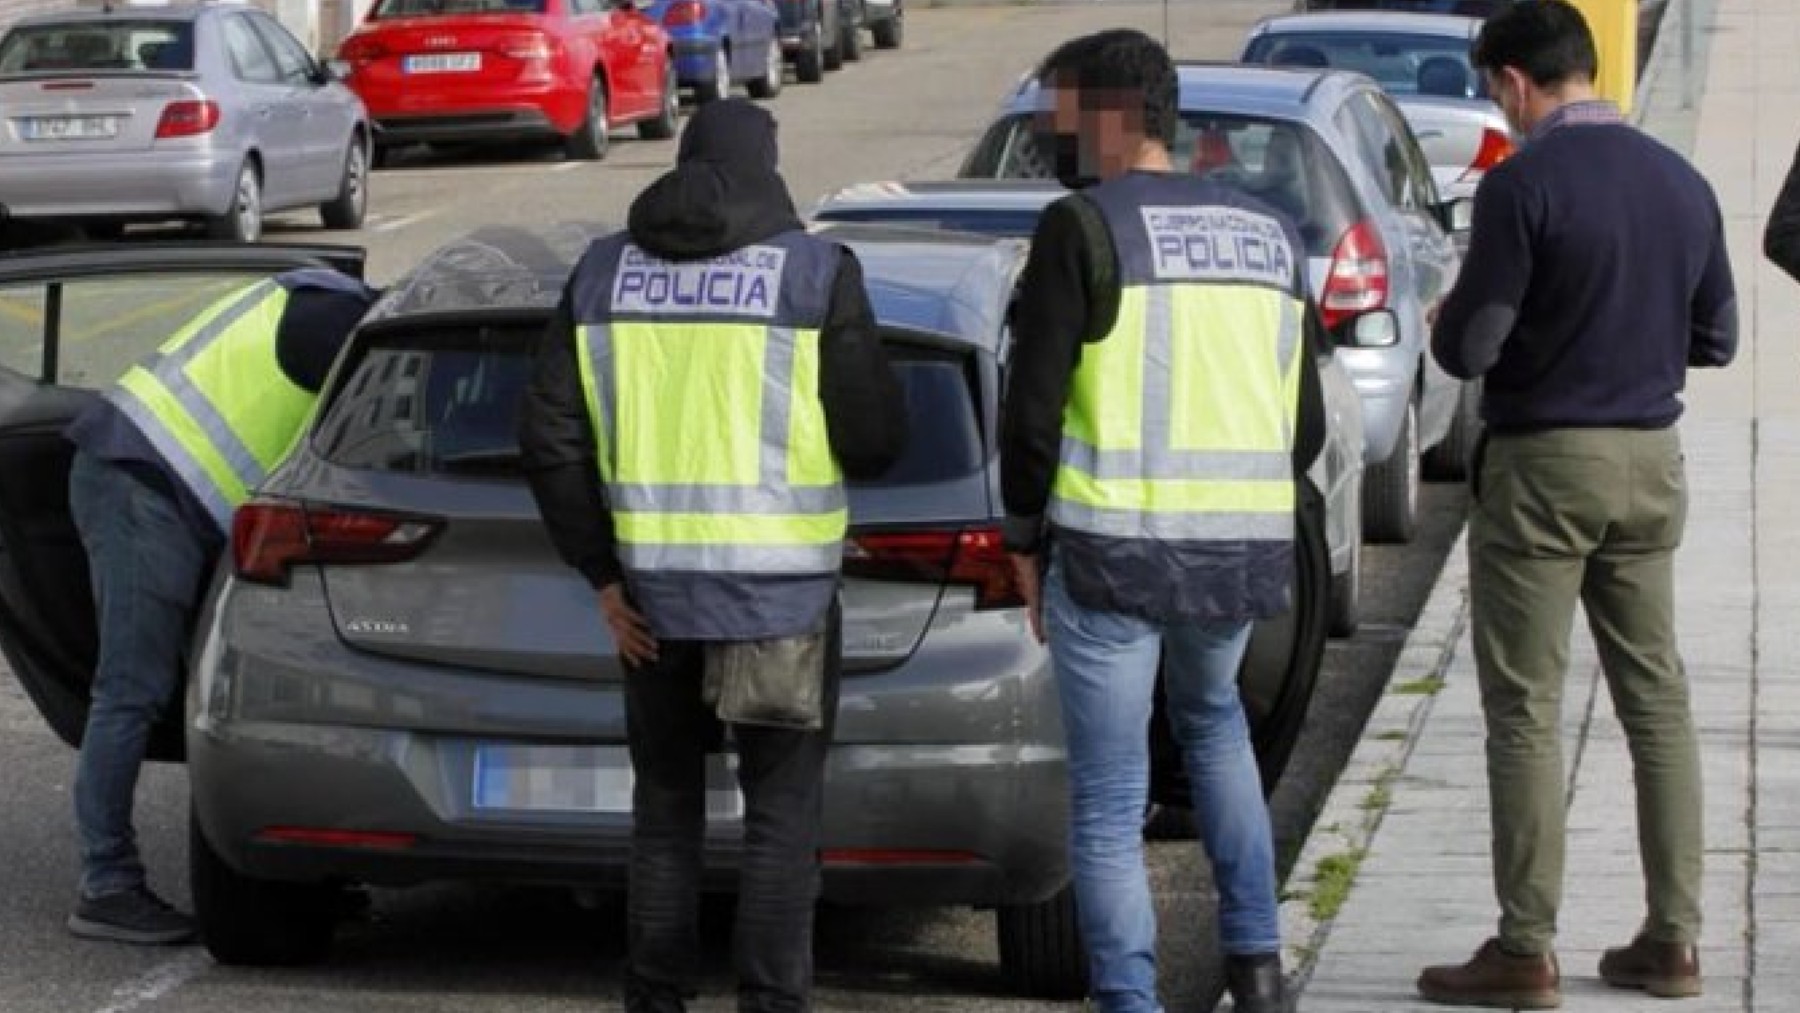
[1106,666]
[147,567]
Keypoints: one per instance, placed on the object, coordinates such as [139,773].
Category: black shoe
[1256,984]
[645,996]
[131,916]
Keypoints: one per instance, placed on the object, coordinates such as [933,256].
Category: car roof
[1453,26]
[495,267]
[948,194]
[94,14]
[1245,89]
[947,284]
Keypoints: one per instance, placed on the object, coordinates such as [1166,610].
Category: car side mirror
[1375,329]
[1456,215]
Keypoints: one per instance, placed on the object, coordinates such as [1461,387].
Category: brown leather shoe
[1665,970]
[1494,977]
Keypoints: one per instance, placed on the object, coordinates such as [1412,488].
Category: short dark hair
[1120,61]
[1548,40]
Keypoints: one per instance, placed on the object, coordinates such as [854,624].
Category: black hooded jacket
[723,194]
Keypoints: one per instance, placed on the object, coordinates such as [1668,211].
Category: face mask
[1066,162]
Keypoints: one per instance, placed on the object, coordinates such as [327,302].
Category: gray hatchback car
[395,680]
[211,113]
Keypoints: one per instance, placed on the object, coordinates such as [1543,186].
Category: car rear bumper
[489,125]
[1384,388]
[140,184]
[696,60]
[536,110]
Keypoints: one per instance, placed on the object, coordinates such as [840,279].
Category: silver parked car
[395,679]
[1010,208]
[1330,150]
[1422,62]
[211,113]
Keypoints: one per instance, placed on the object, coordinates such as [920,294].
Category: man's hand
[630,630]
[1025,573]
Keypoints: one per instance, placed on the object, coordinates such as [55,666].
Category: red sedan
[484,70]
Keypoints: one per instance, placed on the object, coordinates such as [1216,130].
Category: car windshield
[390,9]
[98,45]
[1403,63]
[1278,161]
[1004,224]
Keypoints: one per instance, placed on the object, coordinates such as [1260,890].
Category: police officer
[710,372]
[1149,455]
[161,462]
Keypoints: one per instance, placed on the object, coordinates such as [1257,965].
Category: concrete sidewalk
[1396,873]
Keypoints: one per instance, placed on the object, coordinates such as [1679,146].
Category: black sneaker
[132,916]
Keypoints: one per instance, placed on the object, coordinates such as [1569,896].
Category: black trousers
[781,772]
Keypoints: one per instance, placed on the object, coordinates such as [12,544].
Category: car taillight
[684,12]
[268,537]
[530,47]
[973,557]
[187,118]
[1496,146]
[1358,279]
[360,49]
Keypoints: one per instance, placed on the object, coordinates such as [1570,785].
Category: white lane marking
[403,221]
[566,166]
[159,981]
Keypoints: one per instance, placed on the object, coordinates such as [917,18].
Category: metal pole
[1689,28]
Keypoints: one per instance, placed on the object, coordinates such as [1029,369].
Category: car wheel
[243,221]
[258,922]
[851,40]
[774,70]
[588,142]
[1041,956]
[720,85]
[662,126]
[347,209]
[1391,488]
[890,32]
[1449,461]
[833,56]
[809,63]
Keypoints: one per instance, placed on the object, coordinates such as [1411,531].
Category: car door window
[587,7]
[292,62]
[1379,147]
[250,58]
[103,324]
[1421,187]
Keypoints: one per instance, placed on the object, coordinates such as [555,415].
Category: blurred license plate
[582,779]
[443,63]
[69,128]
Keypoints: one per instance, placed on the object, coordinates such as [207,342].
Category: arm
[1713,339]
[865,409]
[1051,320]
[1781,239]
[1483,308]
[556,447]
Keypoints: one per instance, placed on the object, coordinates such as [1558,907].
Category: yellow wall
[1615,27]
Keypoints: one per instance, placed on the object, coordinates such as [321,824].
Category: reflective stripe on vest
[1179,425]
[710,433]
[214,401]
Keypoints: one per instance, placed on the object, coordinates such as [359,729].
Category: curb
[1326,869]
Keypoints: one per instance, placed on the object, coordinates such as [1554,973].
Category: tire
[1041,956]
[809,63]
[850,41]
[663,125]
[720,85]
[833,56]
[589,141]
[348,208]
[258,922]
[243,221]
[1449,461]
[1390,499]
[774,73]
[890,33]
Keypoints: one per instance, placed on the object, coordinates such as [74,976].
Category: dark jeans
[148,569]
[781,772]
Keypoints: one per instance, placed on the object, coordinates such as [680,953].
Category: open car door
[72,321]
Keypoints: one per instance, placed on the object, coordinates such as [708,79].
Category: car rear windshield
[1464,8]
[1279,161]
[389,9]
[98,45]
[1402,63]
[1005,224]
[446,402]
